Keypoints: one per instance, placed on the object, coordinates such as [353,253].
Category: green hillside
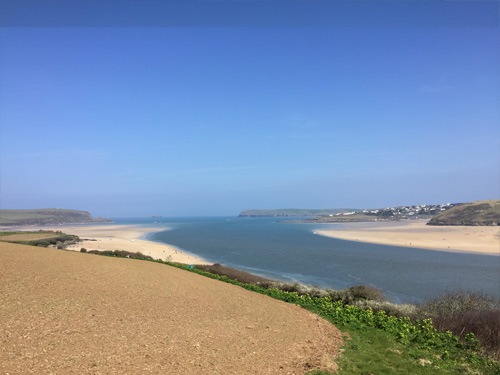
[48,216]
[472,213]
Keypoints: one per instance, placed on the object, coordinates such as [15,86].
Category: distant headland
[342,215]
[48,216]
[474,213]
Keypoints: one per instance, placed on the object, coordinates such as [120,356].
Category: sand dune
[65,312]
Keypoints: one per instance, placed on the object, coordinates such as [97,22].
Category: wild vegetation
[118,253]
[234,274]
[41,238]
[459,312]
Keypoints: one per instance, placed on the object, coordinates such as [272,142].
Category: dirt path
[72,313]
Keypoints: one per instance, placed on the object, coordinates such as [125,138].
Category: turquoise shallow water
[292,252]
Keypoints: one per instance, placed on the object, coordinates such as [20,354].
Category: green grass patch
[373,351]
[11,233]
[2,234]
[45,238]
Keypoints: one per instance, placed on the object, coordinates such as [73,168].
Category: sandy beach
[472,239]
[121,237]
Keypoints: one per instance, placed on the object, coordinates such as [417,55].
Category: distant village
[419,211]
[402,212]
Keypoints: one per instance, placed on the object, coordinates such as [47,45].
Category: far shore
[471,239]
[120,237]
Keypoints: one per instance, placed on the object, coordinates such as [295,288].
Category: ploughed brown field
[72,313]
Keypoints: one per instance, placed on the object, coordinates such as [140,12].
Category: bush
[365,292]
[121,253]
[391,309]
[233,273]
[357,293]
[463,313]
[456,303]
[300,289]
[59,241]
[83,250]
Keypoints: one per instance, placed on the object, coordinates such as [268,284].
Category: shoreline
[128,237]
[416,234]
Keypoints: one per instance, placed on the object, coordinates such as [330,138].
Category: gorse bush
[366,293]
[233,273]
[298,288]
[348,296]
[357,293]
[457,302]
[391,309]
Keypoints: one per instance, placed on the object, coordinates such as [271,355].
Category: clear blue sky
[220,106]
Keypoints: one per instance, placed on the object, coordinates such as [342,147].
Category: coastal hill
[342,215]
[473,213]
[68,312]
[48,216]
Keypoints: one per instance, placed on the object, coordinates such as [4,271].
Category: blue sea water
[292,252]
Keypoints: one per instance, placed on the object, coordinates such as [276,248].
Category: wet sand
[472,239]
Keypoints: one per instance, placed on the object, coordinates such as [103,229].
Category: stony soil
[72,313]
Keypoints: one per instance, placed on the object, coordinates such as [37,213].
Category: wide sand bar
[122,237]
[472,239]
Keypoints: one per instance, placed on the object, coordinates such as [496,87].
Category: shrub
[391,309]
[463,313]
[456,303]
[233,273]
[340,296]
[365,292]
[121,253]
[83,250]
[300,289]
[357,293]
